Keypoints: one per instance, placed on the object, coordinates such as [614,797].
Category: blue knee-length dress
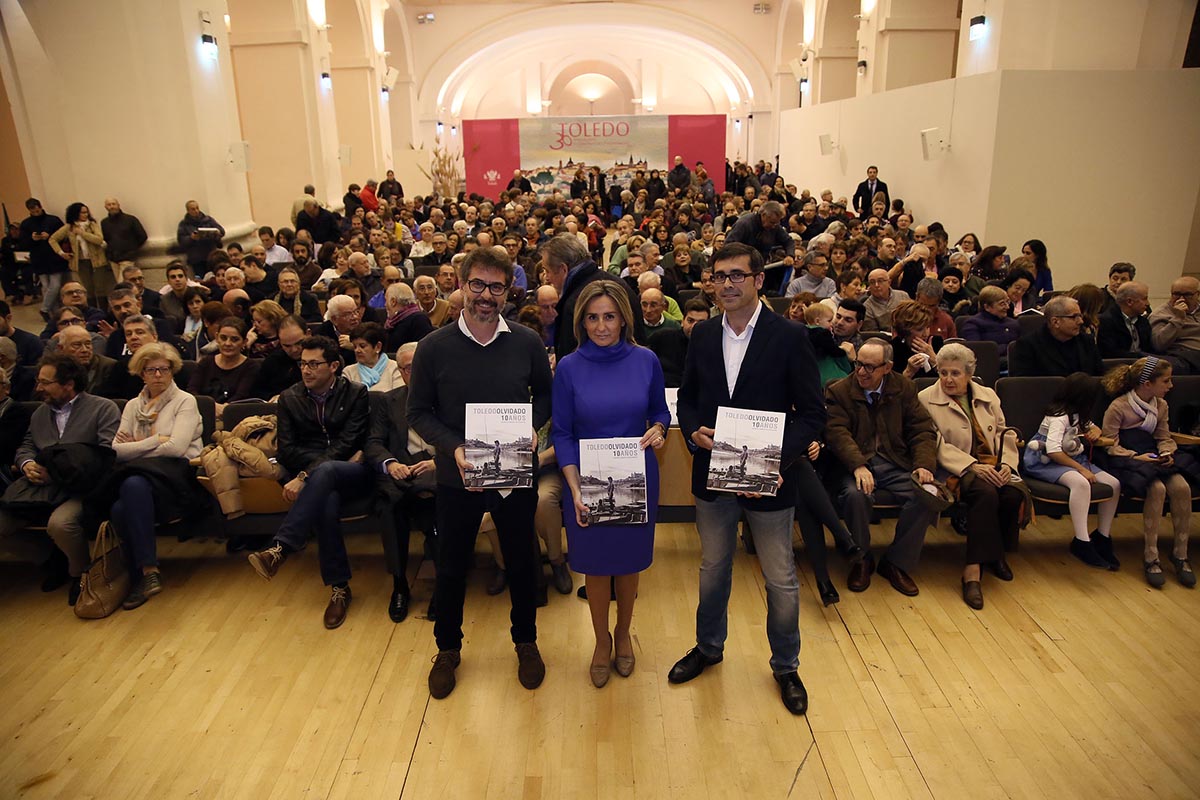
[601,393]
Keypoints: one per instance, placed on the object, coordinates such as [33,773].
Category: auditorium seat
[987,361]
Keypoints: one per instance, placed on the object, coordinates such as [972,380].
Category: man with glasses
[76,342]
[322,422]
[281,367]
[72,294]
[748,359]
[1058,347]
[150,301]
[69,416]
[881,301]
[1175,327]
[481,359]
[440,254]
[884,439]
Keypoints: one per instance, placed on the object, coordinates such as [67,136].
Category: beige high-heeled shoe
[624,664]
[600,672]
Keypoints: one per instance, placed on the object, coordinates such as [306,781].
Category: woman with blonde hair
[1147,461]
[160,432]
[609,387]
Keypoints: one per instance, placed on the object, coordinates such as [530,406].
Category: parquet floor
[1070,683]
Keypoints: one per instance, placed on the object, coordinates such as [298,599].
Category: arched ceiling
[616,33]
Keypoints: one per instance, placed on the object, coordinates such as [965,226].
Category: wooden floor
[1071,683]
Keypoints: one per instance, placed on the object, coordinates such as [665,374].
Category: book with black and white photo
[612,479]
[747,448]
[499,441]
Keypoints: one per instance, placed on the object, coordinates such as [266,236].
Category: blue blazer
[779,373]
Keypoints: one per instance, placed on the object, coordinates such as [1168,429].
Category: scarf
[394,319]
[294,303]
[1147,412]
[371,375]
[145,410]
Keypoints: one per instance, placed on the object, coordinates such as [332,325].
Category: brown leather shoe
[973,594]
[860,574]
[898,578]
[441,677]
[531,670]
[339,604]
[267,562]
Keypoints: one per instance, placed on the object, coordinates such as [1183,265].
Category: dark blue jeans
[319,507]
[133,515]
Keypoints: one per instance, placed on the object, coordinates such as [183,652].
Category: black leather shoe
[793,693]
[691,665]
[829,594]
[973,594]
[398,607]
[851,552]
[1104,547]
[1001,570]
[1086,552]
[55,572]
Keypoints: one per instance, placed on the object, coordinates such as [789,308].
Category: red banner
[699,137]
[492,150]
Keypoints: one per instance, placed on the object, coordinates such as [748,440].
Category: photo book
[612,478]
[499,441]
[747,447]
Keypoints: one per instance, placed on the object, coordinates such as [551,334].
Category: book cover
[747,447]
[499,438]
[612,478]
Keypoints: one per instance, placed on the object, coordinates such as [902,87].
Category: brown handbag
[105,583]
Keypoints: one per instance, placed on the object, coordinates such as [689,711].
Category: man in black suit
[1058,347]
[570,268]
[866,191]
[751,359]
[405,477]
[1125,328]
[122,303]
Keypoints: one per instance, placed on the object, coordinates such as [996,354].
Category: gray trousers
[915,519]
[64,531]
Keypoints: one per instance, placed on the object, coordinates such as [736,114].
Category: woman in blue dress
[609,387]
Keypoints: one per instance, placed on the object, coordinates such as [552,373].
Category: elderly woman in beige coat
[979,452]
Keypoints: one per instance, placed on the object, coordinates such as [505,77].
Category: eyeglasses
[736,276]
[865,367]
[43,382]
[156,371]
[312,364]
[66,323]
[1184,294]
[477,286]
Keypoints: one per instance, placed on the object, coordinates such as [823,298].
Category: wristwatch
[303,476]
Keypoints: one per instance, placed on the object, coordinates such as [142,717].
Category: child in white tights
[1059,454]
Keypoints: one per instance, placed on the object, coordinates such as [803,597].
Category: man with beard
[480,360]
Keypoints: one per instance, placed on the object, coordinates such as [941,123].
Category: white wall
[884,129]
[1099,165]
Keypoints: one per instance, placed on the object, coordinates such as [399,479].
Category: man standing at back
[751,360]
[480,359]
[866,190]
[123,237]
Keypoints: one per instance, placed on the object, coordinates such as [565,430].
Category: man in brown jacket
[882,435]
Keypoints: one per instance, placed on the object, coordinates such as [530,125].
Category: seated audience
[372,367]
[847,322]
[322,423]
[1146,460]
[14,422]
[229,375]
[405,322]
[912,344]
[849,287]
[405,478]
[123,302]
[160,432]
[1057,348]
[929,294]
[68,415]
[954,293]
[77,343]
[204,341]
[883,438]
[137,331]
[654,306]
[992,323]
[29,346]
[1124,327]
[671,344]
[1058,453]
[1175,327]
[979,453]
[281,368]
[263,338]
[428,301]
[1118,273]
[815,277]
[881,301]
[293,299]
